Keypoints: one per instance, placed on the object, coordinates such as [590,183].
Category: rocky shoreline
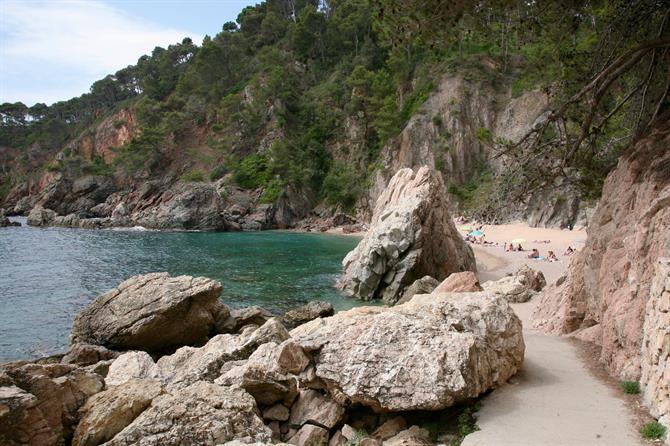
[160,360]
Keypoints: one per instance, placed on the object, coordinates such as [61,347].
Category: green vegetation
[194,175]
[306,93]
[467,424]
[653,430]
[632,387]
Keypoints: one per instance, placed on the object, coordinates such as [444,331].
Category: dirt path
[554,399]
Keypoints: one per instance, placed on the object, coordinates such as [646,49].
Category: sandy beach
[494,262]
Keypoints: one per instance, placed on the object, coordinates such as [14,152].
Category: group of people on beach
[477,236]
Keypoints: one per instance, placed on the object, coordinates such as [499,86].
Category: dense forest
[269,98]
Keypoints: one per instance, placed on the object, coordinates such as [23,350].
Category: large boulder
[427,354]
[459,283]
[107,413]
[205,414]
[183,206]
[608,286]
[40,216]
[424,285]
[411,235]
[39,402]
[152,312]
[190,364]
[5,222]
[519,287]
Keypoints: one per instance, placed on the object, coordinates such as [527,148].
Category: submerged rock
[427,354]
[411,235]
[152,312]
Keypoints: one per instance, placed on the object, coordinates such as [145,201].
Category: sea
[47,275]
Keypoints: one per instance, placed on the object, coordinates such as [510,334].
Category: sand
[560,240]
[555,399]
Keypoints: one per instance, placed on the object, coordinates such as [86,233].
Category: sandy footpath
[554,400]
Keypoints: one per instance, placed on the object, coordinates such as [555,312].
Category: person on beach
[535,254]
[519,248]
[551,257]
[510,248]
[569,251]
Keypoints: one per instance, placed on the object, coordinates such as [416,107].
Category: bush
[217,172]
[194,175]
[632,387]
[653,430]
[53,166]
[252,172]
[342,185]
[272,192]
[484,135]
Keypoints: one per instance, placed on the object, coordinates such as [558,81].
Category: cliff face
[615,293]
[453,132]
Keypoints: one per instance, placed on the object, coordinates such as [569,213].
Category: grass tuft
[632,387]
[653,430]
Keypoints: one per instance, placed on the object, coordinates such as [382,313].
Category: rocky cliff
[454,133]
[615,293]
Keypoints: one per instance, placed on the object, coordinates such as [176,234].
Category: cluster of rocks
[5,222]
[89,203]
[159,360]
[411,235]
[616,291]
[518,287]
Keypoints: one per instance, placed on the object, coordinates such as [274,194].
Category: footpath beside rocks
[411,235]
[615,293]
[167,364]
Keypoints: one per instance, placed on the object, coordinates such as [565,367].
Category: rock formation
[655,363]
[152,312]
[411,235]
[427,354]
[607,294]
[203,414]
[518,287]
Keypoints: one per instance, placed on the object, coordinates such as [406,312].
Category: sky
[53,50]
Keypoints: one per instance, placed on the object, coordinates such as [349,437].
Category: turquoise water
[48,274]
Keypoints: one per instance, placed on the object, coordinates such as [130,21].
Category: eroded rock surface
[203,414]
[411,235]
[519,287]
[107,413]
[152,312]
[427,354]
[608,286]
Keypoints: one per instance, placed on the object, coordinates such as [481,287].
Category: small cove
[47,275]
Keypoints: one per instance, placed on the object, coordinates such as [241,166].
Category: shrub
[631,387]
[342,185]
[194,175]
[484,135]
[217,172]
[653,430]
[53,166]
[272,192]
[252,172]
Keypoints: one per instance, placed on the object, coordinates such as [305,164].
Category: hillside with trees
[302,96]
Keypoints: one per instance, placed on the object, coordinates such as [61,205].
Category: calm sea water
[48,274]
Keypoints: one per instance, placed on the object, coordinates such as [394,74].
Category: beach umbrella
[475,233]
[519,240]
[466,228]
